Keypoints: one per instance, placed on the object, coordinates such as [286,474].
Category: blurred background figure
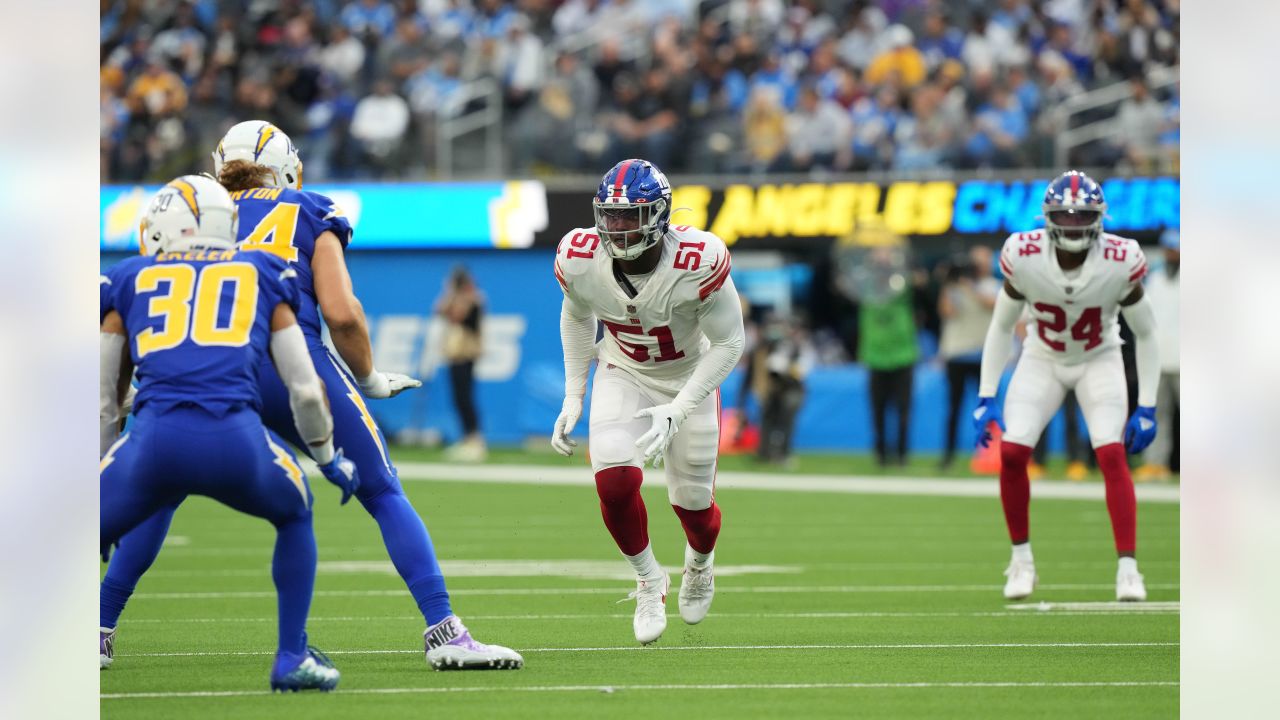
[780,362]
[462,306]
[1161,459]
[965,308]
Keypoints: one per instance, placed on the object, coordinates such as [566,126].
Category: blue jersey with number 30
[199,323]
[286,223]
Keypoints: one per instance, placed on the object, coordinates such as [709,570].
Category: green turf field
[828,605]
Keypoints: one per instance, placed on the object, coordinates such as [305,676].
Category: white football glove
[569,414]
[379,385]
[666,422]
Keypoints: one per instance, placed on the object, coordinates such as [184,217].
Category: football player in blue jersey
[259,165]
[195,320]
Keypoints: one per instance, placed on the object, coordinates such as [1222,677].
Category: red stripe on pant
[623,508]
[1015,489]
[1121,502]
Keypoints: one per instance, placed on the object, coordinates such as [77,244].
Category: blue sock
[293,568]
[136,552]
[411,551]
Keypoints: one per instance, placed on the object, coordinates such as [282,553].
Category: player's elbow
[343,317]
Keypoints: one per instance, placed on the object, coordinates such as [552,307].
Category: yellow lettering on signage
[689,205]
[807,201]
[736,216]
[900,207]
[937,203]
[838,209]
[772,211]
[867,209]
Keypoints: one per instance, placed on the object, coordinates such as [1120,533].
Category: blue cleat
[315,672]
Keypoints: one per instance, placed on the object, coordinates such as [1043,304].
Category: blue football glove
[988,412]
[1140,430]
[342,472]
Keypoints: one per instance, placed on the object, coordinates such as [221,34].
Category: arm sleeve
[111,347]
[578,337]
[720,319]
[306,394]
[995,350]
[1146,351]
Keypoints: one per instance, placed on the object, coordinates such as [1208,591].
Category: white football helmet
[261,143]
[193,211]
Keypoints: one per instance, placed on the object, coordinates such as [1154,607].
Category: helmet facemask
[629,229]
[1074,228]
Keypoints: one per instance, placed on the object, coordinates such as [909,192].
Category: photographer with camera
[965,305]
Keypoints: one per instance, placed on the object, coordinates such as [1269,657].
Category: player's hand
[1140,430]
[379,385]
[569,414]
[666,422]
[342,472]
[988,412]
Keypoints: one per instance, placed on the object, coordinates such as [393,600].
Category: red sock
[700,526]
[1121,502]
[1015,489]
[623,507]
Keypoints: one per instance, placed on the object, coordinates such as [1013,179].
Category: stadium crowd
[743,86]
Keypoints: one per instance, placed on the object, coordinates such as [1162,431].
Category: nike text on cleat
[1022,580]
[106,647]
[651,607]
[1129,586]
[697,588]
[315,672]
[449,646]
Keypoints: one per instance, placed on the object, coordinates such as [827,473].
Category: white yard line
[620,590]
[855,484]
[689,648]
[615,688]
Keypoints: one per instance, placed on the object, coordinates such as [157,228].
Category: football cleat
[449,646]
[106,647]
[1129,586]
[1022,580]
[697,588]
[315,672]
[651,607]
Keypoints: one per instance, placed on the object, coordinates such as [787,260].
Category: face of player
[1074,223]
[625,222]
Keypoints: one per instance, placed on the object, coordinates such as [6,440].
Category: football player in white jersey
[672,333]
[1074,280]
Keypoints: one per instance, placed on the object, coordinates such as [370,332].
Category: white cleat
[697,588]
[1129,586]
[651,608]
[449,646]
[1022,580]
[106,647]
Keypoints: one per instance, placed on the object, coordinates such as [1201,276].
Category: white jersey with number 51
[654,336]
[1073,315]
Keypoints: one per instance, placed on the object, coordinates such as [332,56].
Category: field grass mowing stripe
[617,590]
[1125,609]
[615,688]
[685,648]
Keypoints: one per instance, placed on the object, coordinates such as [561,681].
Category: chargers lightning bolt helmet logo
[189,212]
[261,143]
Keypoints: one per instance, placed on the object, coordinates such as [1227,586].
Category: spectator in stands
[760,18]
[647,119]
[965,305]
[861,40]
[999,128]
[343,56]
[773,75]
[1163,289]
[157,92]
[874,121]
[462,307]
[550,129]
[764,130]
[380,122]
[520,62]
[924,137]
[1139,120]
[406,53]
[819,134]
[901,64]
[369,20]
[939,41]
[182,45]
[578,16]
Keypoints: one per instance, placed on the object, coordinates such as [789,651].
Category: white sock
[1022,553]
[645,564]
[697,559]
[1128,564]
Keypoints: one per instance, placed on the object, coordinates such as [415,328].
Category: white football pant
[1039,386]
[690,461]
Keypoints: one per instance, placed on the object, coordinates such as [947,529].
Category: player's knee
[1013,454]
[612,447]
[618,484]
[690,497]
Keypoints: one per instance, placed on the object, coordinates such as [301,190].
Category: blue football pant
[233,459]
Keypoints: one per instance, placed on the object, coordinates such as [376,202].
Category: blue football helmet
[1073,209]
[632,208]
